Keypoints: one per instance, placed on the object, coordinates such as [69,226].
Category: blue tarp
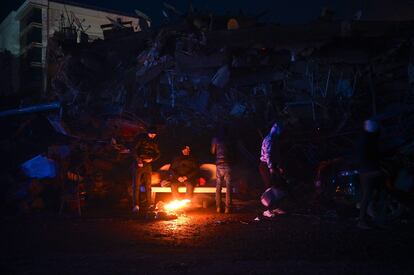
[39,167]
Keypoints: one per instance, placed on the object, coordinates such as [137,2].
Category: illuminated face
[186,151]
[152,135]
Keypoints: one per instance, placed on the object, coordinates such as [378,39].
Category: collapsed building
[199,70]
[26,31]
[322,79]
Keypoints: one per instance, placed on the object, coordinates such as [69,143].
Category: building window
[33,16]
[34,35]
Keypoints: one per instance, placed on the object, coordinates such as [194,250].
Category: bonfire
[176,205]
[171,210]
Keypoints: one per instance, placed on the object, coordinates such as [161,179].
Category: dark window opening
[33,16]
[34,35]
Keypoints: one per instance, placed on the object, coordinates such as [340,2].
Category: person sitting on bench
[184,170]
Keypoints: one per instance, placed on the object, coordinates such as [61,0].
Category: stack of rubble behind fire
[322,79]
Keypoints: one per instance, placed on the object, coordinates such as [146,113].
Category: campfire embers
[176,205]
[171,210]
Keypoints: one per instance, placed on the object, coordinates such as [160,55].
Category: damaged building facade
[25,33]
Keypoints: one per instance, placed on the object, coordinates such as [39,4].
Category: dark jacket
[221,147]
[185,166]
[146,148]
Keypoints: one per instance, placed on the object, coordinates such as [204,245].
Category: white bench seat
[183,189]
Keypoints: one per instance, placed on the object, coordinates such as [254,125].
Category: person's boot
[268,214]
[227,211]
[135,209]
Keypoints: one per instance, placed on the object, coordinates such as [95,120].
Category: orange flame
[177,204]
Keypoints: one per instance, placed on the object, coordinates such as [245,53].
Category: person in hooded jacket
[145,152]
[270,166]
[271,171]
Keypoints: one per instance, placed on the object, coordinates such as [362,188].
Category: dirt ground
[202,242]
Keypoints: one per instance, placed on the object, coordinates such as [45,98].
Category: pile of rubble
[321,79]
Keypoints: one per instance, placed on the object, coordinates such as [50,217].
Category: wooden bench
[207,171]
[183,189]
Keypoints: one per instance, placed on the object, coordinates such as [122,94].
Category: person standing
[271,171]
[184,170]
[371,177]
[270,167]
[146,151]
[221,148]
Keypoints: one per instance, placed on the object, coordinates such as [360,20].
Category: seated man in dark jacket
[184,170]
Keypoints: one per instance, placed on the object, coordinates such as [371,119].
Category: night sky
[280,11]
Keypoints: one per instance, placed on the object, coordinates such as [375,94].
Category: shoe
[218,210]
[268,214]
[227,211]
[135,209]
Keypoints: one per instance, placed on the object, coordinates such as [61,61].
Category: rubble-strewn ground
[201,242]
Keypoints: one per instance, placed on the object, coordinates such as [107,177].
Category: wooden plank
[183,189]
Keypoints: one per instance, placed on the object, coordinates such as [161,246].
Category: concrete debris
[191,70]
[199,70]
